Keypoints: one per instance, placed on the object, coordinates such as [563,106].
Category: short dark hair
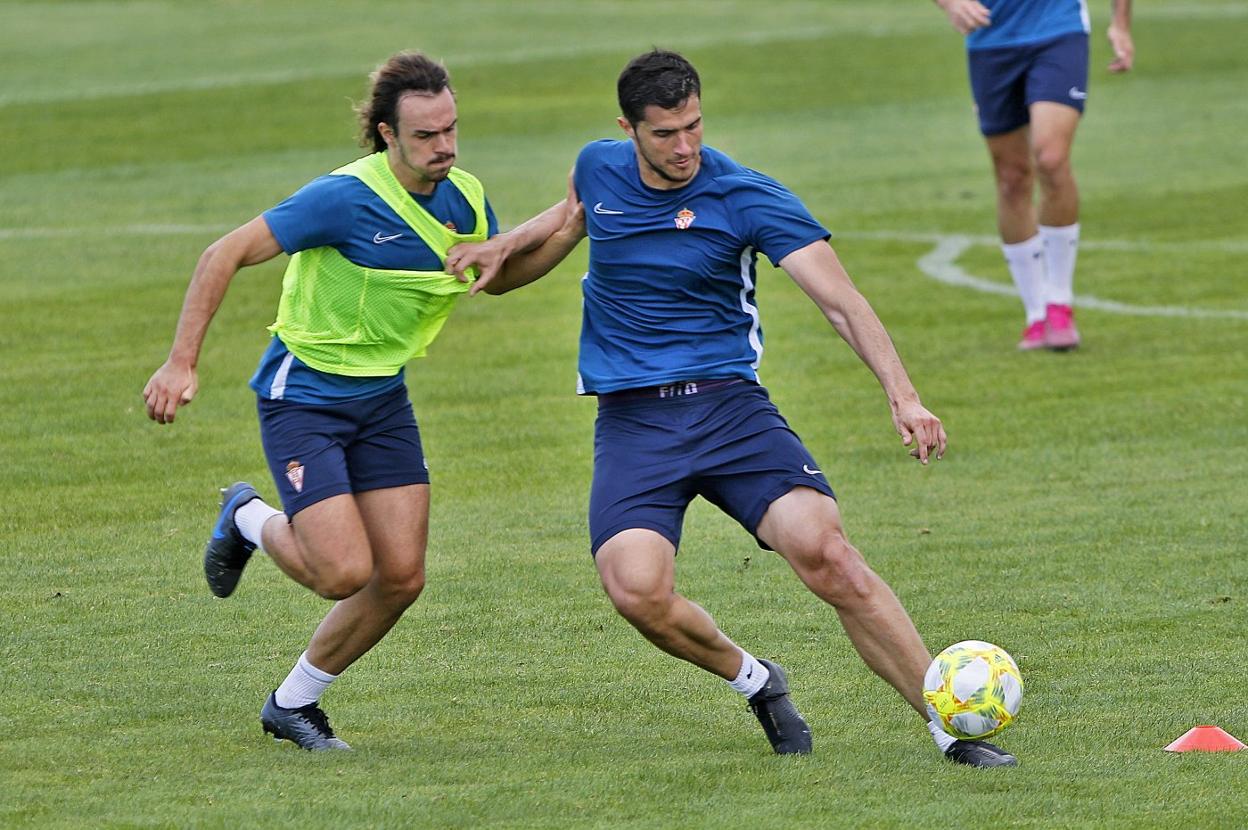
[659,78]
[402,73]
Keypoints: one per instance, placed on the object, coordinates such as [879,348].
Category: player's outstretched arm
[818,271]
[174,384]
[966,15]
[557,230]
[1120,37]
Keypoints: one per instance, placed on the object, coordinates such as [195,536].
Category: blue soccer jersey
[1019,22]
[344,213]
[670,290]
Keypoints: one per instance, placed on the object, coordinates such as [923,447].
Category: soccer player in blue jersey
[1028,63]
[365,291]
[670,345]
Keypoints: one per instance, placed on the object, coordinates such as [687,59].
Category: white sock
[305,684]
[752,677]
[250,519]
[1061,245]
[1026,262]
[942,738]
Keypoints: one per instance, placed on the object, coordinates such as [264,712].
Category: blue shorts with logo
[657,448]
[320,450]
[1007,80]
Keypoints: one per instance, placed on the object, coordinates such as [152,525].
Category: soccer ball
[973,689]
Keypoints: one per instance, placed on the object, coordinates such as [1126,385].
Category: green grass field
[1090,515]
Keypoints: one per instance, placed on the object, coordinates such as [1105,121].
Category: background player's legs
[804,526]
[1016,222]
[1015,178]
[638,571]
[1052,134]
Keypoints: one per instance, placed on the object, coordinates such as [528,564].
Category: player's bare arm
[528,263]
[524,253]
[818,271]
[1120,37]
[966,15]
[175,383]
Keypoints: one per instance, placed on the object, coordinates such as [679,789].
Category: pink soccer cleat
[1060,333]
[1033,337]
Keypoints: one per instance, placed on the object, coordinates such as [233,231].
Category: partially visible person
[670,344]
[1028,64]
[365,291]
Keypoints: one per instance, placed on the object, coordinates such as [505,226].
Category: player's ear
[387,134]
[625,126]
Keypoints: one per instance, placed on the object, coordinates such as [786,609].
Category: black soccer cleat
[306,727]
[227,551]
[979,754]
[784,725]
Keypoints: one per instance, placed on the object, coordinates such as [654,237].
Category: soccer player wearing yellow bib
[366,290]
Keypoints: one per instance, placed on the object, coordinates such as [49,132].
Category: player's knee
[344,581]
[838,572]
[646,610]
[1014,182]
[1052,161]
[403,590]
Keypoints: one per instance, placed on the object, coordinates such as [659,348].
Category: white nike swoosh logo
[598,208]
[378,238]
[1077,93]
[809,471]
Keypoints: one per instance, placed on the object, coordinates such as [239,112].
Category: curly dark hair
[659,78]
[404,72]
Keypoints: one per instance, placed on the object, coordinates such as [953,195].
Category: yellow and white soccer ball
[973,689]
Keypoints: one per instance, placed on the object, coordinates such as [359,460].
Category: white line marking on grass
[941,265]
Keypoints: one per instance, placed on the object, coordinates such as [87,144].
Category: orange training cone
[1206,739]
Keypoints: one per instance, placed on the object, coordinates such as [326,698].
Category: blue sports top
[343,212]
[1019,22]
[670,290]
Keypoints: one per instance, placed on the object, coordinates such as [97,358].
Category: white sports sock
[1061,245]
[942,738]
[1026,262]
[752,677]
[305,684]
[250,519]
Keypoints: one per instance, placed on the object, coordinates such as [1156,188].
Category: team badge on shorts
[685,218]
[294,474]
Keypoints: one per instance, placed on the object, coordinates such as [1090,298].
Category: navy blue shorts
[317,451]
[1008,80]
[722,440]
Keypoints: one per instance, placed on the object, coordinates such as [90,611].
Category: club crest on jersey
[294,474]
[451,226]
[684,219]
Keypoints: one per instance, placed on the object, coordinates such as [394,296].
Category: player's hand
[921,428]
[487,257]
[1124,48]
[172,385]
[966,15]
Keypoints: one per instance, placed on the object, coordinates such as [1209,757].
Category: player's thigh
[801,525]
[396,522]
[1052,133]
[332,537]
[637,563]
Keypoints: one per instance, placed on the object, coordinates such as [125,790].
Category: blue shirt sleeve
[769,217]
[319,213]
[491,220]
